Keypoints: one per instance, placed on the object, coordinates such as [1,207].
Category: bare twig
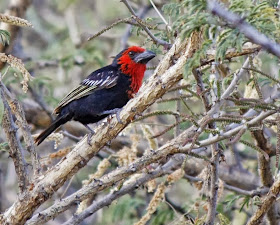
[231,53]
[107,200]
[215,154]
[214,187]
[265,170]
[140,13]
[23,125]
[264,74]
[155,39]
[160,15]
[16,149]
[126,20]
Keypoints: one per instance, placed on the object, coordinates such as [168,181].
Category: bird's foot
[91,133]
[89,138]
[115,111]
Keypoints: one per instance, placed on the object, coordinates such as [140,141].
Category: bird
[104,92]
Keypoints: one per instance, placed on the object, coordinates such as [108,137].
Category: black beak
[144,57]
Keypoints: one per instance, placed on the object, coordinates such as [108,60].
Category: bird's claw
[91,133]
[115,111]
[118,117]
[89,138]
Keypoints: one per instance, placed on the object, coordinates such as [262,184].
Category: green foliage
[244,203]
[191,15]
[230,200]
[188,16]
[172,9]
[123,210]
[4,37]
[4,146]
[262,16]
[241,200]
[162,216]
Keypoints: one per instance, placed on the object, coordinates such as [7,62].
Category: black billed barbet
[104,91]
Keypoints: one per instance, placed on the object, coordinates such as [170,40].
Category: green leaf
[245,202]
[4,146]
[5,37]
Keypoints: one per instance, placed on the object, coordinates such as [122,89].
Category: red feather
[133,69]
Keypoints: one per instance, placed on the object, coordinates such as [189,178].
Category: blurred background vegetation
[58,56]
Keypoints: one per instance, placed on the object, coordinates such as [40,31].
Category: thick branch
[266,204]
[170,148]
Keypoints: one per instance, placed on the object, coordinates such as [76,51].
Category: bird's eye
[131,54]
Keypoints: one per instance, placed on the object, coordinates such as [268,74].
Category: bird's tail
[55,124]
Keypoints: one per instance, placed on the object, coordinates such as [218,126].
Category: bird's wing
[100,79]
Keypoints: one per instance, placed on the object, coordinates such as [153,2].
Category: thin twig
[213,198]
[160,15]
[264,74]
[126,20]
[23,125]
[155,39]
[67,187]
[140,13]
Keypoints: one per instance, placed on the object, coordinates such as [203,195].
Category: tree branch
[266,204]
[249,31]
[138,20]
[16,149]
[108,199]
[23,125]
[46,185]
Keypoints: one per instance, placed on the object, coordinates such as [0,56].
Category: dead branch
[266,204]
[16,149]
[23,125]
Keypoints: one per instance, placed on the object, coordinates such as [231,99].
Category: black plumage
[103,91]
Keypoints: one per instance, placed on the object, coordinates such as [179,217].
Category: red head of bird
[132,62]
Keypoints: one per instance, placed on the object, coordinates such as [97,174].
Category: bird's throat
[136,72]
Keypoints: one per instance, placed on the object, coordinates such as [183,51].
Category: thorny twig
[128,20]
[155,39]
